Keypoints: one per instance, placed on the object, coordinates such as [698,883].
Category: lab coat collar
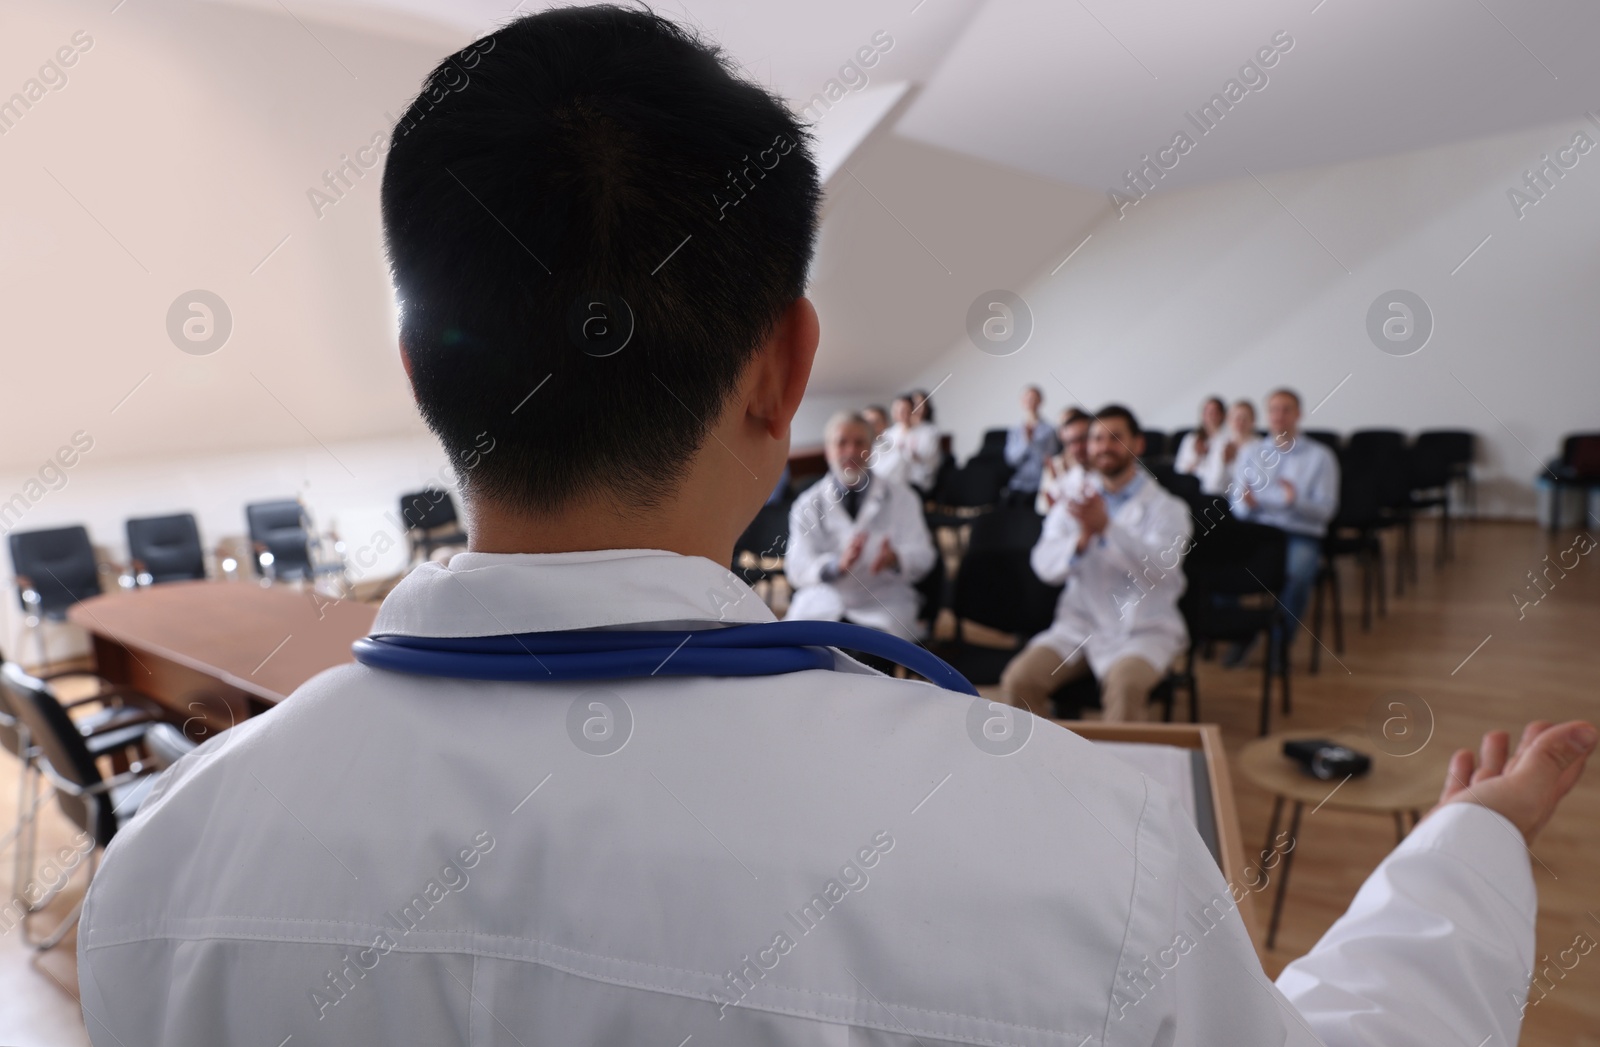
[493,594]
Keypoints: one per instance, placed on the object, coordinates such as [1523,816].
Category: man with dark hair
[537,836]
[1118,547]
[1064,473]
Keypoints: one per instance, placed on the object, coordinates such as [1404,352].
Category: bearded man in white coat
[1118,544]
[858,542]
[681,853]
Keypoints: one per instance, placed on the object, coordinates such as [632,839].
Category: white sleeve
[1054,553]
[1188,975]
[913,545]
[1188,459]
[1437,947]
[808,551]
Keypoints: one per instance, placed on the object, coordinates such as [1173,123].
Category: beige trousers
[1038,670]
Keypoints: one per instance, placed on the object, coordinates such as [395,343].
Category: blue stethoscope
[757,649]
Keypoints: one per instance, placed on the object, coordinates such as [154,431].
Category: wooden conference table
[219,652]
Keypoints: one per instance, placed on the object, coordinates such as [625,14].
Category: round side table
[1395,785]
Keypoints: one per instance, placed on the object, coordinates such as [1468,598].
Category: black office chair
[993,446]
[968,492]
[165,549]
[1326,437]
[1352,533]
[995,587]
[96,804]
[1578,468]
[280,536]
[1156,445]
[166,745]
[431,521]
[932,592]
[54,569]
[1434,467]
[1383,454]
[1229,563]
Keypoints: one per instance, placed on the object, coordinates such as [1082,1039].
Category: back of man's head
[592,204]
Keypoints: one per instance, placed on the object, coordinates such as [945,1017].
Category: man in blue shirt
[1029,445]
[1291,483]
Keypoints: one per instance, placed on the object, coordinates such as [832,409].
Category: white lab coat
[819,530]
[910,454]
[1058,483]
[1122,591]
[431,861]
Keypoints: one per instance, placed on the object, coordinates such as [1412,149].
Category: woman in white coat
[909,450]
[857,541]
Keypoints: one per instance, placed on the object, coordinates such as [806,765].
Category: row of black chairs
[57,567]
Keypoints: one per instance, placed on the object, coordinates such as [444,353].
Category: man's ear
[405,358]
[783,367]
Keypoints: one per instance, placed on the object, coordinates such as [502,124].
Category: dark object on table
[1327,760]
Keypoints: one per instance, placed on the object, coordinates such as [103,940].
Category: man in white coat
[1119,548]
[826,856]
[858,542]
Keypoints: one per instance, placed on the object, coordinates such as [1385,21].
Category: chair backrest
[995,584]
[1362,494]
[1382,454]
[60,744]
[1235,557]
[13,734]
[1156,445]
[1580,453]
[281,527]
[1456,446]
[60,563]
[994,444]
[1183,485]
[167,547]
[974,485]
[767,535]
[1326,437]
[1436,456]
[428,509]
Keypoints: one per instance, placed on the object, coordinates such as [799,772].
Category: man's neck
[1286,439]
[1122,479]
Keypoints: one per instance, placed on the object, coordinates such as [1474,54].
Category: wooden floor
[1457,639]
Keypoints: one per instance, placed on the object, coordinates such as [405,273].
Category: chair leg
[1380,588]
[1366,587]
[1283,668]
[69,921]
[1316,618]
[1400,554]
[1266,686]
[1338,609]
[1194,687]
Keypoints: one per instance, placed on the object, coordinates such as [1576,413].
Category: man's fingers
[1556,756]
[1529,733]
[1492,755]
[1458,774]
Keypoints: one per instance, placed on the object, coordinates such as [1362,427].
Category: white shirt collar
[489,594]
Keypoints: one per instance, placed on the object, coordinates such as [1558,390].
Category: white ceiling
[1079,90]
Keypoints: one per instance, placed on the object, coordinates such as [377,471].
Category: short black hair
[1110,411]
[590,202]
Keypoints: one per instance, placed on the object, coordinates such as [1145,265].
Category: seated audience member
[1201,448]
[1292,484]
[1029,445]
[877,418]
[1119,549]
[857,540]
[1066,472]
[1237,439]
[887,459]
[913,453]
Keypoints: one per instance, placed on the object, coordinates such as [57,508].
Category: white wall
[1220,290]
